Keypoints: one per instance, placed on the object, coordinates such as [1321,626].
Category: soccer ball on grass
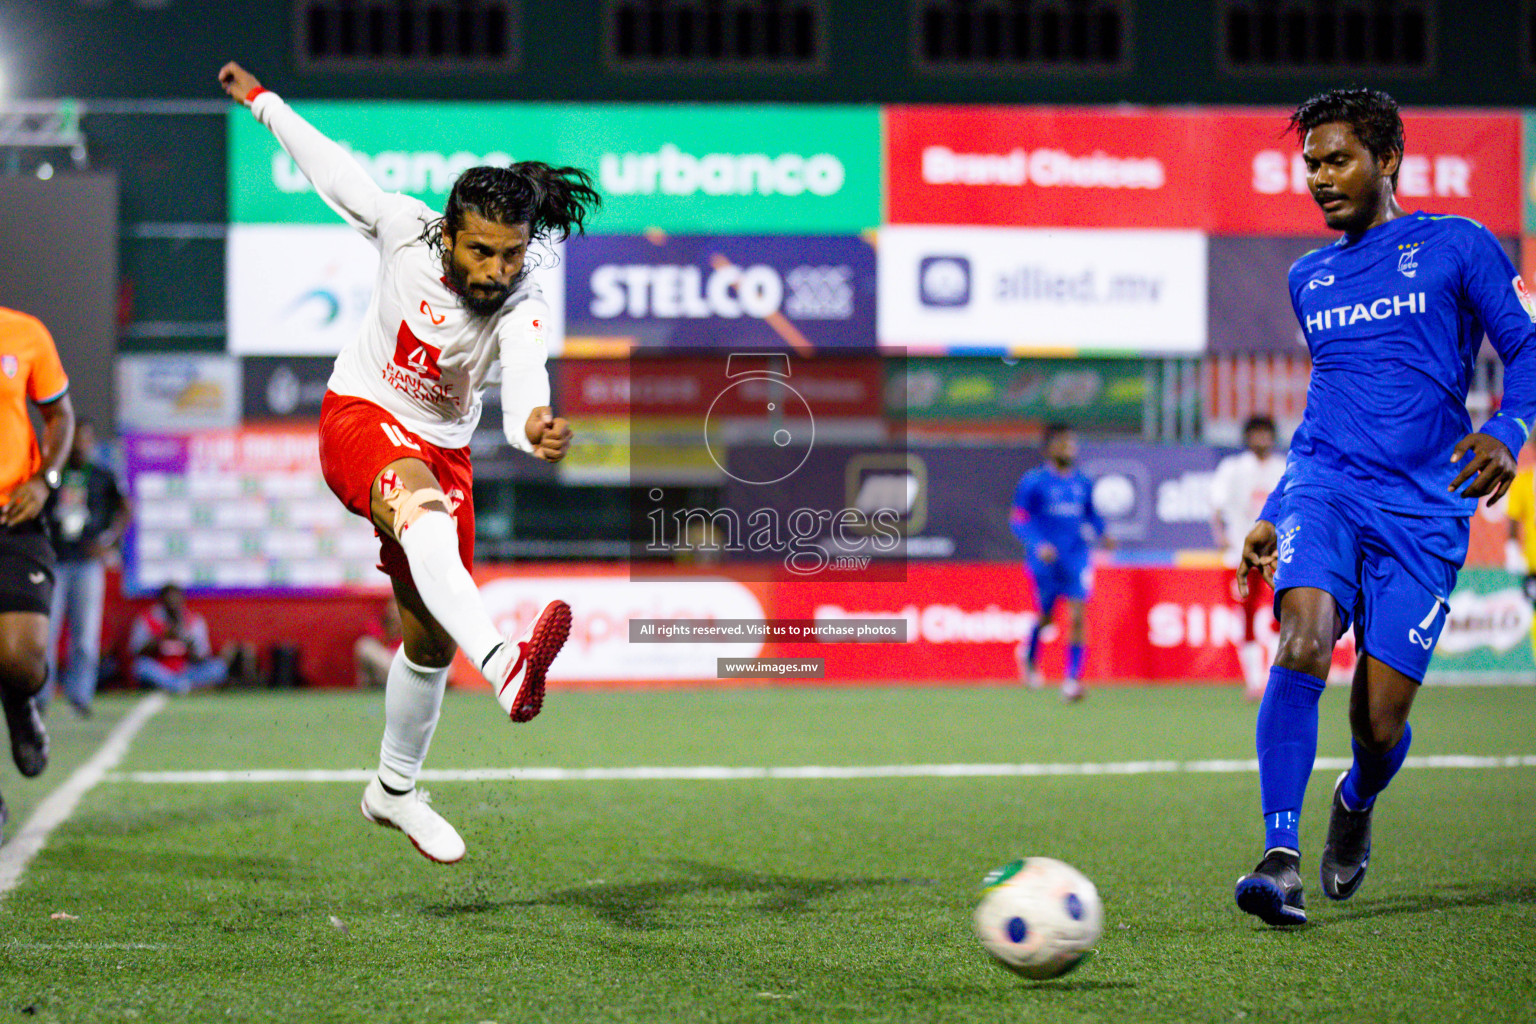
[1038,917]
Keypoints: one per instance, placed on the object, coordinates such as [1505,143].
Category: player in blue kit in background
[1369,524]
[1053,516]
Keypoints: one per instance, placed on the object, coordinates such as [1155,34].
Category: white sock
[431,546]
[413,697]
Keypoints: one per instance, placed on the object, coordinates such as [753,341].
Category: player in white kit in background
[452,301]
[1239,488]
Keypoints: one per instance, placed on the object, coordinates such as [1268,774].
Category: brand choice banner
[678,167]
[1041,165]
[801,293]
[1043,291]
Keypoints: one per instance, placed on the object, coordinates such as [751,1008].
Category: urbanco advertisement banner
[801,293]
[1462,163]
[1031,291]
[727,168]
[1027,166]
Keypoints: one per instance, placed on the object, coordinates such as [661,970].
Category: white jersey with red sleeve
[420,354]
[1239,488]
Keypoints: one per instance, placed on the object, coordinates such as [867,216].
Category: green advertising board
[1528,177]
[1528,173]
[969,389]
[688,168]
[1487,634]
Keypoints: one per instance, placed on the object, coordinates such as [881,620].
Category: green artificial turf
[764,899]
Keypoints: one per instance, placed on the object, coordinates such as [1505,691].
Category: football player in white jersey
[1239,488]
[452,301]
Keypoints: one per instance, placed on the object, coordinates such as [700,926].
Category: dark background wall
[171,49]
[58,261]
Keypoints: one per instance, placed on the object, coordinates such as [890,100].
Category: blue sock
[1034,642]
[1371,773]
[1075,655]
[1286,738]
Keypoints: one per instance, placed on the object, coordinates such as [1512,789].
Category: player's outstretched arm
[1259,552]
[1491,467]
[337,178]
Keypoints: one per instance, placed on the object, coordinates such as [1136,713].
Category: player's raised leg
[1286,739]
[410,506]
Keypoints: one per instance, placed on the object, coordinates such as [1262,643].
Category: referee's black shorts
[26,569]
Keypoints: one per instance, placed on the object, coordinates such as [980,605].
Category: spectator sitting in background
[375,649]
[86,518]
[170,648]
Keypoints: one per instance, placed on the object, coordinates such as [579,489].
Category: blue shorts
[1390,574]
[1071,578]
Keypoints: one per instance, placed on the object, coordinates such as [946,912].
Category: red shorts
[358,439]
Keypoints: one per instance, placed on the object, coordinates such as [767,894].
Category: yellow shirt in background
[1522,509]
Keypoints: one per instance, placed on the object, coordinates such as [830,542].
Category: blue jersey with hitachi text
[1057,509]
[1394,317]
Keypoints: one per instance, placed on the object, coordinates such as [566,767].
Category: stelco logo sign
[670,171]
[670,292]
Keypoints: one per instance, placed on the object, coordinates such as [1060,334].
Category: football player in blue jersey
[1053,516]
[1369,525]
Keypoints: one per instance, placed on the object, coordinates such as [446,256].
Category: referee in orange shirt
[29,370]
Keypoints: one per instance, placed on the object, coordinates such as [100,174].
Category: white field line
[57,806]
[723,773]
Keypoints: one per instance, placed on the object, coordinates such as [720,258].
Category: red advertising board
[689,386]
[1226,171]
[1463,163]
[964,623]
[1073,167]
